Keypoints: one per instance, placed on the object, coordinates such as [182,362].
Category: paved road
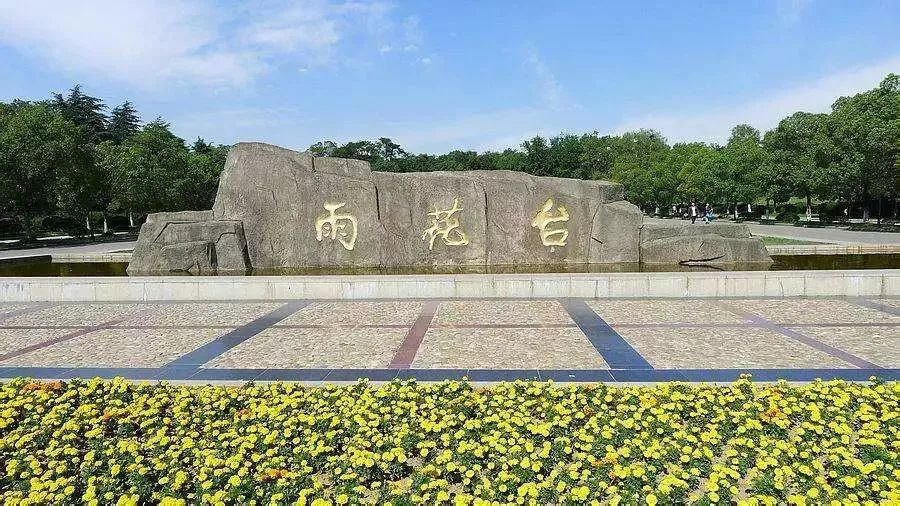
[105,247]
[828,235]
[486,340]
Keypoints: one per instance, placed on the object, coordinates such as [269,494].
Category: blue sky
[439,75]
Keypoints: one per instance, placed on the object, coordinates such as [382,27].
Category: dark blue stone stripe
[237,336]
[871,304]
[562,375]
[613,347]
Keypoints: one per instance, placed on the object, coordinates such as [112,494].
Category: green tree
[744,158]
[205,164]
[538,159]
[598,155]
[124,122]
[84,111]
[866,131]
[700,169]
[36,147]
[156,164]
[800,148]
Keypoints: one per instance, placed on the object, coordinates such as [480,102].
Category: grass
[768,241]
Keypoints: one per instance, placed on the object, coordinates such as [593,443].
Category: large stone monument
[278,209]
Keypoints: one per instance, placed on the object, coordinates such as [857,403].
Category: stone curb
[833,249]
[866,283]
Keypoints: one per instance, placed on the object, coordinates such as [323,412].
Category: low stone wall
[92,257]
[885,283]
[832,249]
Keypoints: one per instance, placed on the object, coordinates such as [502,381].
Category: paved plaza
[485,340]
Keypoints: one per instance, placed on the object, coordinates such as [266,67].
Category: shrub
[109,441]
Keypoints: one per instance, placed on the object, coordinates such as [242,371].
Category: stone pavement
[796,339]
[826,235]
[103,247]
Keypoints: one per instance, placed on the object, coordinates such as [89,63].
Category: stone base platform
[867,283]
[566,340]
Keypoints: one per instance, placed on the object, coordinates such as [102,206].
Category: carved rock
[166,235]
[278,208]
[714,243]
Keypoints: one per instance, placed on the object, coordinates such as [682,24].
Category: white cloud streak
[551,91]
[764,113]
[148,43]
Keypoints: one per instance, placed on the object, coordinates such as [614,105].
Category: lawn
[769,240]
[399,443]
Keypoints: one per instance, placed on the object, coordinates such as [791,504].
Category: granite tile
[119,348]
[657,311]
[74,315]
[357,313]
[289,348]
[16,339]
[720,348]
[507,348]
[224,314]
[485,312]
[799,310]
[879,345]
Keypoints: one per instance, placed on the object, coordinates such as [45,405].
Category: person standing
[709,216]
[693,212]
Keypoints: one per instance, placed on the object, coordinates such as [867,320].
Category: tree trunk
[105,224]
[27,229]
[87,221]
[130,220]
[808,208]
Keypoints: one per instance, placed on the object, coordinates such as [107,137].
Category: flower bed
[115,441]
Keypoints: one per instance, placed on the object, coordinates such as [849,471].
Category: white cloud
[492,130]
[551,91]
[426,60]
[790,11]
[189,41]
[137,42]
[284,126]
[764,113]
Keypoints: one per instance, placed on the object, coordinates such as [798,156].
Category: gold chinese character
[556,236]
[337,226]
[445,225]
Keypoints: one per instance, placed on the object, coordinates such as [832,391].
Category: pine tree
[124,122]
[83,110]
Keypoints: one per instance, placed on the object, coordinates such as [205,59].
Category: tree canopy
[67,156]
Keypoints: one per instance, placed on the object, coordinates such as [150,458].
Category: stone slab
[713,348]
[281,348]
[507,348]
[862,283]
[280,209]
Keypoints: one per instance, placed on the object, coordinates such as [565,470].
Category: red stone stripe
[758,321]
[55,340]
[404,356]
[25,310]
[505,325]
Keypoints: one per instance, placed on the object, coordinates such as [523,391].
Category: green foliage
[65,157]
[41,155]
[85,111]
[123,123]
[866,131]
